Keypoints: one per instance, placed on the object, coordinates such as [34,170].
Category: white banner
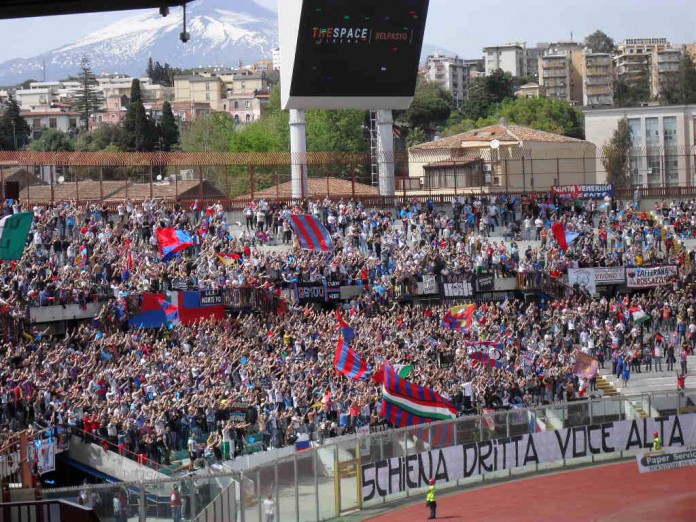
[609,275]
[584,278]
[45,456]
[649,277]
[396,475]
[670,458]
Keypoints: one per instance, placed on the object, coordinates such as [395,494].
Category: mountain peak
[222,33]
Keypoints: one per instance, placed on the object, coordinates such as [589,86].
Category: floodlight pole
[298,153]
[385,152]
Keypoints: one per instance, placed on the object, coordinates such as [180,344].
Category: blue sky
[462,26]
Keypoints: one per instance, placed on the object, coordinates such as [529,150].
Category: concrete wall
[47,314]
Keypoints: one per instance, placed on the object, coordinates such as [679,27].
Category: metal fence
[42,177]
[324,482]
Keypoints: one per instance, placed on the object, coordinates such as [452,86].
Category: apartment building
[60,119]
[451,73]
[634,56]
[511,58]
[664,69]
[43,95]
[534,55]
[598,79]
[663,142]
[561,72]
[277,60]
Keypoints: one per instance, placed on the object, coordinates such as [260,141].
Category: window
[207,86]
[247,104]
[635,126]
[236,119]
[236,105]
[36,122]
[652,133]
[72,123]
[52,123]
[248,118]
[207,96]
[669,131]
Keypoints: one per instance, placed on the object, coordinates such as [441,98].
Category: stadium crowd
[152,392]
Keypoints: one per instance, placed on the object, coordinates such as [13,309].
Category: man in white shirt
[269,508]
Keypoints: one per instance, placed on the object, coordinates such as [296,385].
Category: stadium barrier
[377,465]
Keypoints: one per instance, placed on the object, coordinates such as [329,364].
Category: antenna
[43,69]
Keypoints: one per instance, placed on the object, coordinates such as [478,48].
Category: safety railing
[375,466]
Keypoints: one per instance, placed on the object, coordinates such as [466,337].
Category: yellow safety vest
[657,444]
[431,494]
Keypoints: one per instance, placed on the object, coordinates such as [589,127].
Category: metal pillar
[298,152]
[385,152]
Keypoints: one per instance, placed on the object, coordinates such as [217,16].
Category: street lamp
[14,133]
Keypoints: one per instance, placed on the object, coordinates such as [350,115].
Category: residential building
[58,119]
[276,59]
[534,55]
[560,71]
[200,89]
[510,58]
[634,55]
[501,158]
[114,112]
[597,79]
[43,95]
[531,90]
[664,70]
[663,142]
[450,73]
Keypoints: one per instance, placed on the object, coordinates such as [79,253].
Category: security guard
[657,442]
[430,500]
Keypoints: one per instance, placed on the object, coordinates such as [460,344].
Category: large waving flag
[347,361]
[407,404]
[14,231]
[171,311]
[347,331]
[459,317]
[311,233]
[172,240]
[563,237]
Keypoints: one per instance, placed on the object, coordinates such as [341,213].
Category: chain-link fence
[234,179]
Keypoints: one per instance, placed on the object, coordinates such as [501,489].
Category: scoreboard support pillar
[385,152]
[298,153]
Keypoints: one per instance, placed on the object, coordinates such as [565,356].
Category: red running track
[609,493]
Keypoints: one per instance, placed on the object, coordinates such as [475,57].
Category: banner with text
[396,475]
[456,286]
[583,191]
[609,275]
[650,277]
[669,458]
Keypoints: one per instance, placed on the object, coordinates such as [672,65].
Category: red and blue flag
[347,331]
[347,361]
[172,240]
[311,233]
[170,311]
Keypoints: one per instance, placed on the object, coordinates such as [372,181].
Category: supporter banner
[669,458]
[584,278]
[395,475]
[485,283]
[583,191]
[428,286]
[455,286]
[610,275]
[649,277]
[211,298]
[45,456]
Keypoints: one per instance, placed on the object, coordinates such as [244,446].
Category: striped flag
[311,233]
[486,360]
[407,404]
[347,361]
[638,315]
[440,435]
[170,310]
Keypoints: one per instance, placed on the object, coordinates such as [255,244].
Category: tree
[416,137]
[162,74]
[615,155]
[336,131]
[687,80]
[634,90]
[26,84]
[546,114]
[486,92]
[211,132]
[140,130]
[600,42]
[430,108]
[169,131]
[14,130]
[88,98]
[52,140]
[105,137]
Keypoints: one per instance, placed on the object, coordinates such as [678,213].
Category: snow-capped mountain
[222,32]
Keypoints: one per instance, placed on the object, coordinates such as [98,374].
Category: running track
[609,493]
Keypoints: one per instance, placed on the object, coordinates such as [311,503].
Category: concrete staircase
[642,382]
